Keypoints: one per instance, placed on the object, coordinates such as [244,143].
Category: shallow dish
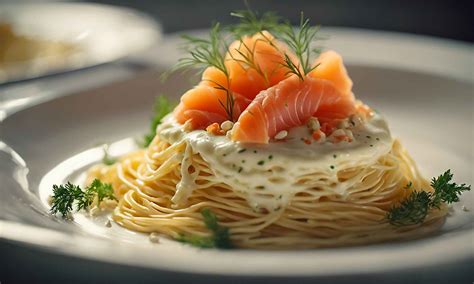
[97,33]
[55,141]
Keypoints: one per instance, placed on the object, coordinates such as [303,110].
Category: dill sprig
[248,60]
[229,104]
[65,195]
[414,209]
[204,53]
[250,22]
[446,191]
[220,235]
[300,41]
[161,108]
[106,158]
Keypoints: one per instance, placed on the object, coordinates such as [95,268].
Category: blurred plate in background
[48,38]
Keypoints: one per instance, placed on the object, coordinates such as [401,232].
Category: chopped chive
[261,162]
[242,150]
[371,145]
[240,169]
[243,161]
[334,156]
[378,139]
[332,167]
[368,136]
[270,157]
[255,151]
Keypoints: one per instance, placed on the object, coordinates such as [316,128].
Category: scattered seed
[313,124]
[154,238]
[332,167]
[188,126]
[281,135]
[227,125]
[108,224]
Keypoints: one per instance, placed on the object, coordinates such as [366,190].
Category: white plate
[101,33]
[431,113]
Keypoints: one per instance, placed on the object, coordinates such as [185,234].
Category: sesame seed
[281,135]
[313,124]
[188,126]
[154,238]
[227,125]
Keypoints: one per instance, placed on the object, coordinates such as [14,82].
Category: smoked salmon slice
[203,104]
[331,67]
[288,104]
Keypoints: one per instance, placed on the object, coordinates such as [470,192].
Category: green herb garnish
[161,108]
[64,196]
[204,53]
[220,235]
[300,41]
[415,208]
[106,159]
[250,22]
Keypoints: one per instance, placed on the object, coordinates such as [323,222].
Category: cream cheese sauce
[267,174]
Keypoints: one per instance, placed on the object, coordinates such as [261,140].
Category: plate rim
[10,231]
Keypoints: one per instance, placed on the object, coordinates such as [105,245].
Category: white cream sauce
[267,174]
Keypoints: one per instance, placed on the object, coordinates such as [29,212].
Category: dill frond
[415,208]
[220,237]
[251,22]
[161,108]
[204,53]
[300,41]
